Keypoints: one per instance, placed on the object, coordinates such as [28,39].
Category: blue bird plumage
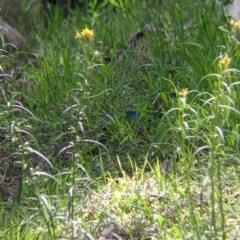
[132,115]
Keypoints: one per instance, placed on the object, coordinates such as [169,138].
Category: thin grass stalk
[20,188]
[71,201]
[43,209]
[215,171]
[184,154]
[221,202]
[212,174]
[44,201]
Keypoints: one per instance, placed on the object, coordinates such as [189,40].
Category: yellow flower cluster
[225,61]
[235,24]
[86,33]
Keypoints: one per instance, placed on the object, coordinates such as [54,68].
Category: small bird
[132,118]
[132,114]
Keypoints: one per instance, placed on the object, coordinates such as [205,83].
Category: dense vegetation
[121,121]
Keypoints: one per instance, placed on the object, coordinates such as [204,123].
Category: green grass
[71,161]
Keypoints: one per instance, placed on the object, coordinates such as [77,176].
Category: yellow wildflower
[78,35]
[183,92]
[87,33]
[225,61]
[97,55]
[235,24]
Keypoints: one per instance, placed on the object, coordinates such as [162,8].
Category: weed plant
[74,165]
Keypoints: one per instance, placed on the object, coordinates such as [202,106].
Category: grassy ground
[74,165]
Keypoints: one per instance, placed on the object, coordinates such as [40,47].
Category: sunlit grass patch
[153,205]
